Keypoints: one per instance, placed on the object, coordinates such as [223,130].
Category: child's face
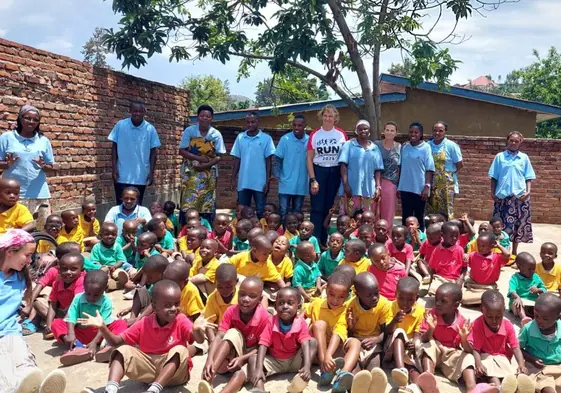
[406,299]
[291,224]
[366,237]
[381,230]
[343,224]
[248,213]
[193,241]
[69,269]
[545,318]
[192,224]
[70,219]
[241,232]
[335,243]
[493,315]
[221,225]
[369,296]
[526,268]
[155,207]
[287,306]
[256,222]
[484,227]
[398,237]
[380,259]
[358,217]
[53,226]
[109,235]
[450,236]
[9,195]
[445,304]
[412,223]
[497,227]
[144,244]
[352,254]
[484,246]
[336,295]
[261,252]
[160,231]
[434,238]
[166,305]
[367,218]
[280,246]
[208,249]
[226,288]
[89,211]
[306,254]
[249,296]
[299,217]
[548,253]
[267,210]
[93,292]
[193,215]
[306,230]
[273,222]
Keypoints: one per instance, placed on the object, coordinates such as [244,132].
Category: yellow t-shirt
[182,244]
[472,247]
[266,271]
[552,278]
[44,247]
[191,302]
[411,322]
[89,228]
[264,224]
[76,235]
[285,267]
[212,265]
[318,310]
[360,266]
[216,306]
[368,322]
[290,235]
[15,218]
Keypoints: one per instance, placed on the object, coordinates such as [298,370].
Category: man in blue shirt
[290,168]
[252,153]
[135,143]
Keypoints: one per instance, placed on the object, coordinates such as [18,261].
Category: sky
[495,43]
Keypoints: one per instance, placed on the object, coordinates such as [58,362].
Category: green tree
[339,34]
[289,87]
[206,89]
[402,69]
[95,51]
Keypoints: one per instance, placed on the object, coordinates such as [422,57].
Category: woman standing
[361,165]
[417,167]
[391,155]
[25,155]
[323,168]
[447,158]
[511,176]
[201,148]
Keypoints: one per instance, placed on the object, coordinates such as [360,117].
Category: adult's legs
[318,201]
[297,203]
[284,200]
[141,189]
[407,205]
[244,197]
[259,198]
[388,201]
[332,186]
[419,210]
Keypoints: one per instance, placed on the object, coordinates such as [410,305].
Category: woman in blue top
[129,210]
[19,372]
[202,148]
[361,166]
[511,176]
[447,158]
[25,155]
[417,168]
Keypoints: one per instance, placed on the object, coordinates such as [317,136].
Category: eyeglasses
[31,119]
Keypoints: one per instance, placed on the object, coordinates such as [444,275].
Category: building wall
[465,117]
[79,105]
[475,197]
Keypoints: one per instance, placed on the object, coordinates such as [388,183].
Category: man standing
[135,143]
[252,153]
[293,177]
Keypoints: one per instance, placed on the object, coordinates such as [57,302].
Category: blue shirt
[293,174]
[212,135]
[252,152]
[116,216]
[361,165]
[133,150]
[415,162]
[453,156]
[511,170]
[11,292]
[32,179]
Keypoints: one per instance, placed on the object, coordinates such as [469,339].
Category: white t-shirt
[327,145]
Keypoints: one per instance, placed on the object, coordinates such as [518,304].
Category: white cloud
[56,44]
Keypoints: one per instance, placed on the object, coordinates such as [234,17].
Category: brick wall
[79,106]
[475,196]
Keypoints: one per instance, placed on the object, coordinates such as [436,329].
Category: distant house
[467,111]
[482,82]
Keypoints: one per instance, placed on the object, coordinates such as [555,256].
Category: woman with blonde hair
[323,150]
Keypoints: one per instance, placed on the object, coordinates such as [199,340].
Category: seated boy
[415,237]
[89,224]
[524,288]
[365,234]
[467,233]
[203,271]
[387,270]
[225,296]
[434,238]
[368,218]
[193,213]
[307,277]
[291,226]
[169,210]
[330,258]
[280,257]
[274,223]
[306,231]
[498,229]
[399,249]
[53,225]
[127,240]
[154,349]
[472,245]
[145,248]
[12,213]
[222,234]
[83,340]
[381,230]
[343,226]
[447,261]
[240,242]
[354,256]
[548,270]
[485,268]
[166,243]
[237,338]
[71,231]
[191,303]
[268,209]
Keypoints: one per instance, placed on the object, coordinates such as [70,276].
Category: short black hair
[65,248]
[163,286]
[177,271]
[244,223]
[254,280]
[492,297]
[137,102]
[153,224]
[434,228]
[253,114]
[365,228]
[419,126]
[357,245]
[443,123]
[489,236]
[347,270]
[496,219]
[73,254]
[131,189]
[453,289]
[299,116]
[340,278]
[96,277]
[205,107]
[156,263]
[549,301]
[226,272]
[272,235]
[401,228]
[408,284]
[448,226]
[169,205]
[294,291]
[551,245]
[200,232]
[108,224]
[343,217]
[524,257]
[271,204]
[149,236]
[376,247]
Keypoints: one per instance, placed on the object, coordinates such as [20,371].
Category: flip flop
[525,384]
[326,377]
[204,387]
[343,382]
[485,388]
[379,381]
[509,384]
[361,382]
[28,328]
[400,376]
[75,356]
[427,383]
[31,382]
[54,382]
[297,385]
[104,354]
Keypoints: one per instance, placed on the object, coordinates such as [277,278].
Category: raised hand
[39,161]
[202,323]
[465,329]
[11,159]
[92,321]
[430,319]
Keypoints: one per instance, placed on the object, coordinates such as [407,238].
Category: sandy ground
[94,375]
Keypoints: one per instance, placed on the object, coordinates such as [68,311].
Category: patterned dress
[441,200]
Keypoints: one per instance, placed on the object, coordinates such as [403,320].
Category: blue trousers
[244,198]
[329,180]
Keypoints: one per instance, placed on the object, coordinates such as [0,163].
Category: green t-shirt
[305,276]
[240,245]
[139,262]
[547,349]
[521,286]
[80,305]
[167,242]
[327,264]
[505,241]
[422,238]
[89,265]
[107,256]
[174,220]
[129,252]
[205,223]
[296,240]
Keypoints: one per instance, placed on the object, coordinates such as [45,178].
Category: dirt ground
[94,375]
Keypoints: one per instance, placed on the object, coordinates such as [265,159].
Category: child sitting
[398,248]
[281,260]
[472,245]
[240,242]
[127,240]
[84,340]
[154,349]
[256,223]
[237,338]
[225,295]
[191,303]
[343,227]
[268,209]
[145,248]
[381,230]
[548,270]
[498,229]
[415,237]
[110,257]
[541,344]
[446,263]
[291,226]
[203,270]
[524,288]
[365,235]
[166,243]
[193,214]
[274,223]
[53,225]
[386,270]
[89,224]
[485,268]
[286,345]
[467,233]
[434,238]
[354,256]
[331,257]
[182,239]
[12,213]
[164,218]
[367,218]
[195,238]
[71,231]
[307,277]
[221,233]
[169,209]
[492,342]
[306,231]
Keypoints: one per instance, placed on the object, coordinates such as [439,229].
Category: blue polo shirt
[133,150]
[32,179]
[453,156]
[11,292]
[252,152]
[116,216]
[511,170]
[293,179]
[415,162]
[548,349]
[361,165]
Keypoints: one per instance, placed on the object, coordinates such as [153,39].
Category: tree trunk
[376,127]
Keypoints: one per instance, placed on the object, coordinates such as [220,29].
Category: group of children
[261,298]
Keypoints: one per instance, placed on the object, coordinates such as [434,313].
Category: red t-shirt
[285,345]
[403,255]
[463,240]
[63,296]
[49,277]
[224,240]
[426,250]
[447,262]
[447,335]
[483,340]
[253,330]
[326,146]
[387,279]
[485,269]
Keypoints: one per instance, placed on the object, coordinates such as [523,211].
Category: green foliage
[402,69]
[95,51]
[208,90]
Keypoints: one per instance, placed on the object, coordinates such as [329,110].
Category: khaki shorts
[115,274]
[408,358]
[235,337]
[438,281]
[473,292]
[143,367]
[274,366]
[366,355]
[451,361]
[547,377]
[497,366]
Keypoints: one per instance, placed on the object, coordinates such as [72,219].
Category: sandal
[28,328]
[400,376]
[343,382]
[379,380]
[326,377]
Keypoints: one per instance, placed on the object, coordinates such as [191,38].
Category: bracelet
[428,185]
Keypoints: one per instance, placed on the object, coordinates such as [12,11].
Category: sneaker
[31,382]
[54,382]
[104,354]
[75,356]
